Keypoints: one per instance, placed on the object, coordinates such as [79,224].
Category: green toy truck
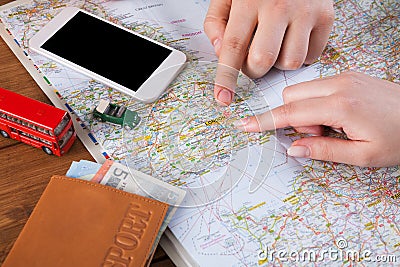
[110,112]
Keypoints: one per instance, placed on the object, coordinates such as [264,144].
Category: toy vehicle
[106,111]
[35,123]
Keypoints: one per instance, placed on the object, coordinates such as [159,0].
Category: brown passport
[80,223]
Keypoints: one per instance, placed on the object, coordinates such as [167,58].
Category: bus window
[32,126]
[43,130]
[62,125]
[63,140]
[45,141]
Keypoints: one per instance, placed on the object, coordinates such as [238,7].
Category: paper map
[305,211]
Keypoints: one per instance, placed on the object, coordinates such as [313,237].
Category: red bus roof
[30,109]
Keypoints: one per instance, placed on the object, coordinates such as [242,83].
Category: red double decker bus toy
[35,123]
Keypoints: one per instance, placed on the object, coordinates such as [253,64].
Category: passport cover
[81,223]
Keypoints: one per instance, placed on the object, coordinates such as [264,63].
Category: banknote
[119,176]
[83,169]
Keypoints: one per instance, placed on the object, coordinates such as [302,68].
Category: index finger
[303,113]
[238,33]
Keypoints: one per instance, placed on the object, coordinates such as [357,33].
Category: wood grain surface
[25,170]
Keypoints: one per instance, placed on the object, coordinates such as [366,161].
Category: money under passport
[119,176]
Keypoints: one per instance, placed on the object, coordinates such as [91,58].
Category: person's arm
[366,109]
[254,35]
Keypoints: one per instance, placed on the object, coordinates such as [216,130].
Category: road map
[305,212]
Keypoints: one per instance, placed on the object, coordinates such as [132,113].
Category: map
[189,140]
[304,212]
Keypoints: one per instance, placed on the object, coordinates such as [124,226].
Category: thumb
[332,149]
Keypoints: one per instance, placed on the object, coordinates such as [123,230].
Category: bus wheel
[4,134]
[47,150]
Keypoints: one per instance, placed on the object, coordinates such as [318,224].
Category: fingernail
[299,151]
[338,130]
[217,45]
[240,124]
[225,96]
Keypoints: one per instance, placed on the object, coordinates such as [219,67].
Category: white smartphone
[116,56]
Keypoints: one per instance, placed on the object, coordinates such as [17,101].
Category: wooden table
[25,170]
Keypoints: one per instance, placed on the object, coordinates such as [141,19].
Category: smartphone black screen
[107,50]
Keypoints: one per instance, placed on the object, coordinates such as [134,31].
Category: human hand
[366,109]
[254,35]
